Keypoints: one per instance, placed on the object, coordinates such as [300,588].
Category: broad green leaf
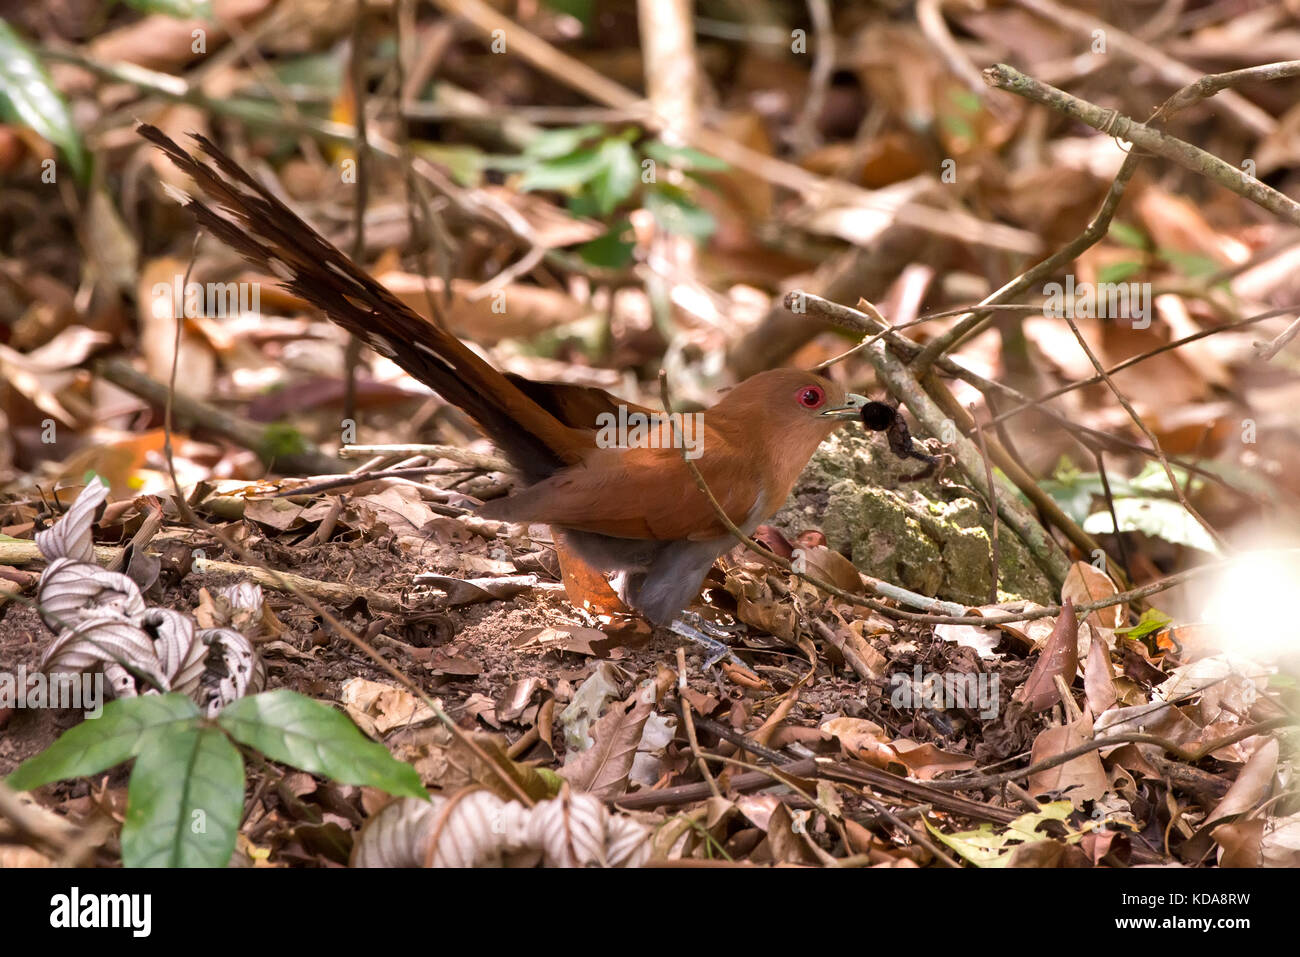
[99,743]
[552,144]
[181,9]
[307,734]
[184,801]
[683,157]
[986,847]
[1158,517]
[609,251]
[618,177]
[566,172]
[679,216]
[28,96]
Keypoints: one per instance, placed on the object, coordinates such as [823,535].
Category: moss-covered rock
[929,537]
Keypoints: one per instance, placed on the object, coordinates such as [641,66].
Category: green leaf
[1154,480]
[679,216]
[985,847]
[566,172]
[99,743]
[181,9]
[1158,517]
[1153,619]
[1118,272]
[552,144]
[683,157]
[615,182]
[1191,265]
[465,163]
[307,734]
[1127,235]
[609,251]
[184,801]
[582,10]
[28,96]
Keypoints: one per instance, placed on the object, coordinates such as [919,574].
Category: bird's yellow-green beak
[853,404]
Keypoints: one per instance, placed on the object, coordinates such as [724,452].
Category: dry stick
[286,585]
[1091,235]
[858,774]
[1106,121]
[805,132]
[778,775]
[1146,138]
[1207,86]
[1141,357]
[478,460]
[1137,420]
[196,413]
[361,157]
[437,238]
[995,554]
[578,75]
[919,836]
[1267,350]
[1190,755]
[690,729]
[929,17]
[1172,71]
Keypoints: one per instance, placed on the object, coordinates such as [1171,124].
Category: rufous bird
[633,514]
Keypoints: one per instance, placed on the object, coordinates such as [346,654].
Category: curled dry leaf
[179,653]
[117,647]
[72,590]
[69,537]
[829,566]
[1099,677]
[101,622]
[1060,656]
[476,828]
[231,670]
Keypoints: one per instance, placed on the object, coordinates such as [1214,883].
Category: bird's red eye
[811,397]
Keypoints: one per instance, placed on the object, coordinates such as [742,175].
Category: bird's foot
[707,635]
[712,628]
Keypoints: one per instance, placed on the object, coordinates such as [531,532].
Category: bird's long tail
[243,214]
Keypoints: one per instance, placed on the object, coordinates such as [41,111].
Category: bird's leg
[693,628]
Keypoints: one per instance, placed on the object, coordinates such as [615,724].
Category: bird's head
[781,400]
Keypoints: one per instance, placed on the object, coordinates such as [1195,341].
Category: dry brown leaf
[1059,657]
[1079,779]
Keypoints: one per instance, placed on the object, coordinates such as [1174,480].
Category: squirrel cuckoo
[634,514]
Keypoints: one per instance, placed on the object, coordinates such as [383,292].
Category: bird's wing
[636,493]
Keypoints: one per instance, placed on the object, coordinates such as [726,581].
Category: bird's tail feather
[249,219]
